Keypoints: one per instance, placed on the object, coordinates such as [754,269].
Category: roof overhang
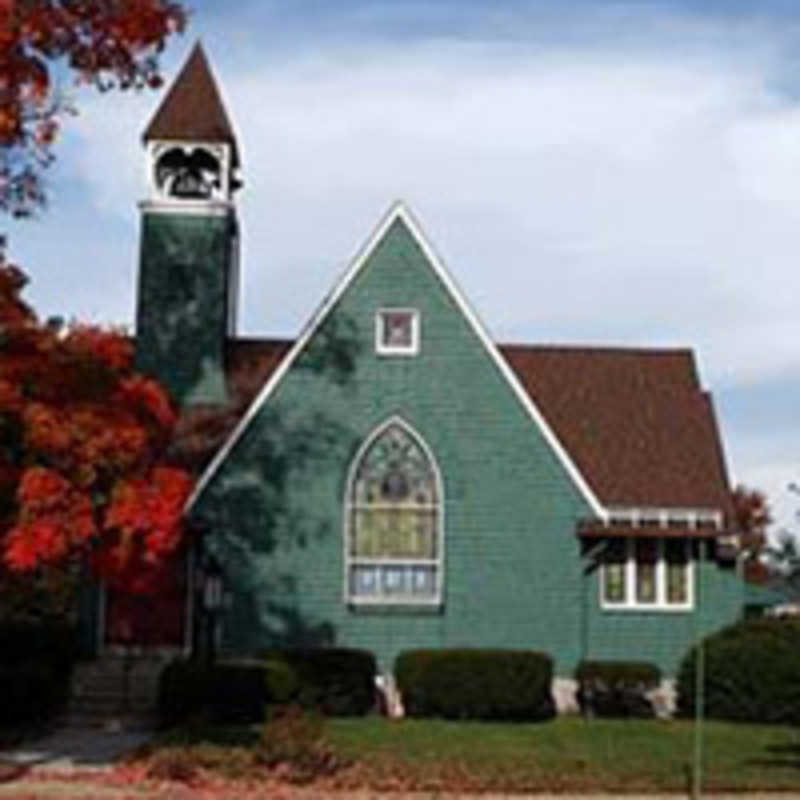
[596,529]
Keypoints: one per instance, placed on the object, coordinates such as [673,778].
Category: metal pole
[699,679]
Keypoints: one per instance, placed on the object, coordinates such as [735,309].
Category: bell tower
[189,259]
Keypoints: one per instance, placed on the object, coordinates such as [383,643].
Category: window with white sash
[647,573]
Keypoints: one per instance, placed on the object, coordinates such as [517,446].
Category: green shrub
[616,688]
[183,689]
[752,673]
[476,684]
[36,662]
[240,692]
[282,683]
[336,681]
[224,692]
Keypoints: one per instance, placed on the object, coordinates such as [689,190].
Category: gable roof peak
[192,109]
[400,210]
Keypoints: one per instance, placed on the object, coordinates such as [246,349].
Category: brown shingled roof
[637,423]
[193,109]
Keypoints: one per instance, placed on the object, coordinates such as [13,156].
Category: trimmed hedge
[337,681]
[752,673]
[616,688]
[224,692]
[36,662]
[476,684]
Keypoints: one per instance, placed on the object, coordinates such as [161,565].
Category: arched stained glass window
[393,528]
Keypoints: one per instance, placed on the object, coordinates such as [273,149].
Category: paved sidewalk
[75,748]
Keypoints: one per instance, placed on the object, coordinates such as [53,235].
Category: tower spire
[192,110]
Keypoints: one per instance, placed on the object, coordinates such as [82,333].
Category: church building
[395,478]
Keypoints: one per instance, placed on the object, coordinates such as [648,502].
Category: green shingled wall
[513,573]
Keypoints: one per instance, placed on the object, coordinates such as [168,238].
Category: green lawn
[574,754]
[568,754]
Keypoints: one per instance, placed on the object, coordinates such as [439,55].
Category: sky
[592,172]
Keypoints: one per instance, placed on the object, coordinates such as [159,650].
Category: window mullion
[630,573]
[661,575]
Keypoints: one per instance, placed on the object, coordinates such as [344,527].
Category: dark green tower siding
[182,315]
[514,576]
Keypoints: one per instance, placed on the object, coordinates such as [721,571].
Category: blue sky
[592,172]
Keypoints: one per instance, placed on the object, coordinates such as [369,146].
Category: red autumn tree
[102,42]
[83,439]
[752,515]
[752,519]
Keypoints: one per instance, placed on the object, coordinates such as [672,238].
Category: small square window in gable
[397,332]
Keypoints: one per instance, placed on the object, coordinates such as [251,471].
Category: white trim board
[400,211]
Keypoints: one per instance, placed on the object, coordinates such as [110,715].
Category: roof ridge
[622,349]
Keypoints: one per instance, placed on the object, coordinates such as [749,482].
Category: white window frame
[349,507]
[397,350]
[630,603]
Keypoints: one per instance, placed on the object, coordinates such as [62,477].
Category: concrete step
[115,693]
[93,704]
[84,689]
[111,680]
[132,689]
[88,679]
[110,722]
[101,693]
[103,712]
[111,672]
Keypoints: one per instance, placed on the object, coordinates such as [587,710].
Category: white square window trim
[397,332]
[661,603]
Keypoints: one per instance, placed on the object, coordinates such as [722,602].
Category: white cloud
[774,478]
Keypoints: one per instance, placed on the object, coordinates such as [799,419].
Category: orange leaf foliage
[144,518]
[82,450]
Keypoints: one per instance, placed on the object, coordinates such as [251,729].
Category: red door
[155,619]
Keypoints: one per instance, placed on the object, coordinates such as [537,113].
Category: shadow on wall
[258,512]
